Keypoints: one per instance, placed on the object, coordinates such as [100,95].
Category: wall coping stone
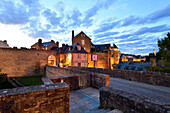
[46,81]
[138,99]
[22,90]
[77,70]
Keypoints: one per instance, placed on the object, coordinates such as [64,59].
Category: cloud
[13,12]
[60,6]
[156,29]
[76,18]
[134,20]
[106,27]
[156,15]
[106,34]
[52,17]
[91,12]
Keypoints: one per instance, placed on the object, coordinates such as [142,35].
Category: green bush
[114,65]
[65,64]
[157,69]
[63,60]
[3,77]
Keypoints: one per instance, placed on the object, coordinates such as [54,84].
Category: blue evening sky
[133,25]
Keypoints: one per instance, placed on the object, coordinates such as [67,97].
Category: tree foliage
[164,49]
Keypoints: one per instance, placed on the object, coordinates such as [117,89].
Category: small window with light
[79,48]
[82,41]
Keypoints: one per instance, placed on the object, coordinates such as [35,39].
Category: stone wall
[154,78]
[79,78]
[102,61]
[43,98]
[129,103]
[75,82]
[23,62]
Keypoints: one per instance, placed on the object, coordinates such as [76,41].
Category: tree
[164,49]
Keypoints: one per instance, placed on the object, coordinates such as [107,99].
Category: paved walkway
[87,101]
[155,93]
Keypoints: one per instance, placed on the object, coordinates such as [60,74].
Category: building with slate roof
[108,54]
[79,53]
[45,45]
[74,55]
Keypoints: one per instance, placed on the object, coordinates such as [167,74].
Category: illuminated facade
[135,58]
[74,55]
[107,55]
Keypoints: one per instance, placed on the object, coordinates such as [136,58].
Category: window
[79,48]
[79,56]
[82,35]
[79,64]
[82,41]
[51,60]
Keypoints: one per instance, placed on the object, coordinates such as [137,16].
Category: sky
[133,25]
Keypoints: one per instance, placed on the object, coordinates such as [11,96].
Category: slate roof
[73,49]
[46,43]
[115,46]
[54,48]
[102,46]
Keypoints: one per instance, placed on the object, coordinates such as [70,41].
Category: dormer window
[82,35]
[82,41]
[79,48]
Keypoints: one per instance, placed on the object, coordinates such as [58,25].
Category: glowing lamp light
[69,56]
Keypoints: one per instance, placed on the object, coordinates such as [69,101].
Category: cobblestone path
[155,93]
[87,101]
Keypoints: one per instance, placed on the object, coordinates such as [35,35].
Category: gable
[83,35]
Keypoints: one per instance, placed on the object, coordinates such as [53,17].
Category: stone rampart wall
[52,98]
[154,78]
[76,78]
[23,62]
[129,103]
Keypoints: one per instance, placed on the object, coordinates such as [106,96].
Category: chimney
[57,43]
[40,40]
[72,34]
[113,45]
[5,41]
[52,41]
[63,45]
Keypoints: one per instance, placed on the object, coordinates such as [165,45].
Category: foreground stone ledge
[43,98]
[130,103]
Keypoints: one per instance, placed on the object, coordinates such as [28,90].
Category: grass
[30,80]
[6,85]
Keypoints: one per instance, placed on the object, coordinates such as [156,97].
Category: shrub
[63,60]
[65,64]
[114,65]
[3,77]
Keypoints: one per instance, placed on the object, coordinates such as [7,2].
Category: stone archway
[51,60]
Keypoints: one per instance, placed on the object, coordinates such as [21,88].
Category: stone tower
[83,40]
